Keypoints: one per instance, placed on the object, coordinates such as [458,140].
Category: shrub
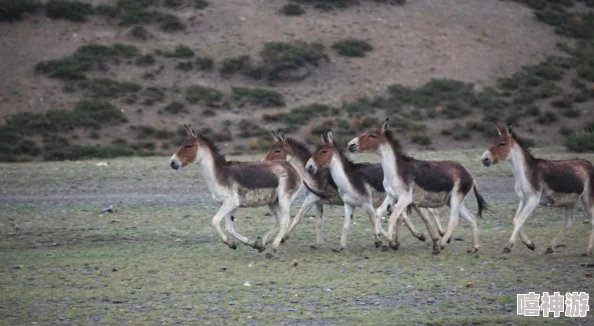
[175,108]
[259,96]
[297,53]
[75,152]
[562,103]
[86,58]
[11,10]
[204,63]
[145,60]
[144,132]
[420,138]
[547,118]
[292,9]
[352,47]
[234,65]
[208,95]
[173,3]
[580,142]
[101,111]
[140,33]
[152,95]
[108,11]
[103,87]
[184,66]
[200,4]
[170,23]
[75,11]
[249,129]
[181,51]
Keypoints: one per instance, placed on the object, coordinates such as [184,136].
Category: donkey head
[370,141]
[281,150]
[500,147]
[322,157]
[188,152]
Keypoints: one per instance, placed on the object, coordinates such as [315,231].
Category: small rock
[114,269]
[188,308]
[55,244]
[108,209]
[247,283]
[272,282]
[588,275]
[586,222]
[588,265]
[114,221]
[118,301]
[469,285]
[294,262]
[222,269]
[18,266]
[101,164]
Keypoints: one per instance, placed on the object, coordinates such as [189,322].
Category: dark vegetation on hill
[560,82]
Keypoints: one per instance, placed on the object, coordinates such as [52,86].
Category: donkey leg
[375,222]
[319,211]
[435,214]
[411,228]
[399,209]
[519,220]
[379,213]
[283,218]
[226,209]
[455,201]
[348,216]
[434,238]
[275,212]
[566,225]
[309,201]
[473,229]
[590,211]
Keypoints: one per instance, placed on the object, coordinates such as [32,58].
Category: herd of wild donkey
[397,185]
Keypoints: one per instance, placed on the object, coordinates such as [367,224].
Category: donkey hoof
[394,245]
[531,246]
[338,249]
[269,256]
[436,251]
[378,244]
[422,237]
[586,254]
[561,245]
[315,247]
[258,245]
[449,240]
[473,250]
[506,250]
[283,240]
[233,246]
[385,248]
[549,250]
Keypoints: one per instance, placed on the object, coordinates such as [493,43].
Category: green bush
[85,59]
[173,3]
[208,95]
[140,33]
[580,142]
[181,51]
[297,53]
[170,23]
[420,138]
[234,65]
[547,118]
[175,108]
[100,111]
[144,132]
[292,9]
[152,95]
[12,10]
[302,115]
[352,47]
[184,66]
[259,96]
[75,152]
[204,63]
[200,4]
[107,11]
[145,60]
[107,88]
[75,11]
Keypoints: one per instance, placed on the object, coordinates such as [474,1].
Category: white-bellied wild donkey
[242,184]
[421,183]
[321,183]
[557,183]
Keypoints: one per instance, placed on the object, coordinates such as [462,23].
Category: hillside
[125,75]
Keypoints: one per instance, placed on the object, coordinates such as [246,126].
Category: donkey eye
[371,136]
[502,145]
[189,145]
[324,151]
[277,151]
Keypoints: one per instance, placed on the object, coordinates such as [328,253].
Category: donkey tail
[315,192]
[482,204]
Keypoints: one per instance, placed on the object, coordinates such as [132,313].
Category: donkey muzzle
[174,164]
[486,161]
[352,148]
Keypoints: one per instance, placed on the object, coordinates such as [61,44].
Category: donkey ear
[190,131]
[384,126]
[324,137]
[329,136]
[509,130]
[498,129]
[280,135]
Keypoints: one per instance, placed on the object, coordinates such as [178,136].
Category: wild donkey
[321,183]
[421,183]
[242,184]
[538,181]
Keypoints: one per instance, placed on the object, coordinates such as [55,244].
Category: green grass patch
[204,63]
[292,9]
[12,10]
[107,88]
[145,60]
[181,51]
[352,47]
[235,65]
[175,108]
[74,11]
[259,96]
[580,142]
[207,95]
[297,53]
[86,58]
[200,4]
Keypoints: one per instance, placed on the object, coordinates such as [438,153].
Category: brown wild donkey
[421,183]
[321,182]
[558,183]
[242,184]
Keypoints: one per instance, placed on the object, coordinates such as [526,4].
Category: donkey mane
[527,152]
[396,146]
[216,153]
[299,145]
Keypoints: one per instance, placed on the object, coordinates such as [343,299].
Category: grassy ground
[157,260]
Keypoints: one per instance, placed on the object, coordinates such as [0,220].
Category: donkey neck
[339,174]
[520,168]
[210,171]
[388,161]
